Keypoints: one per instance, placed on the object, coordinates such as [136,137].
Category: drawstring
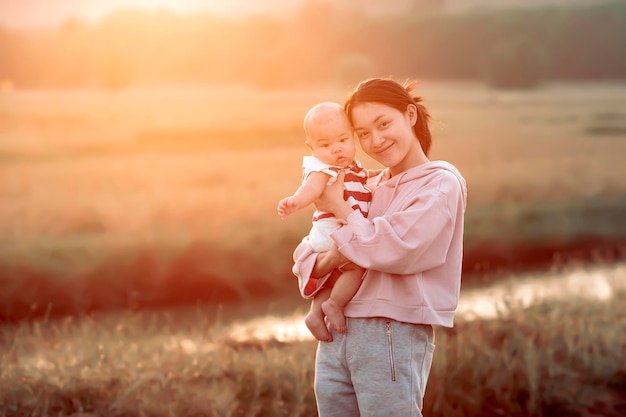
[393,193]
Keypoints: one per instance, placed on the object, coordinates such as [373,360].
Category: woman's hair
[391,93]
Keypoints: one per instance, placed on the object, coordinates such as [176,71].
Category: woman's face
[386,135]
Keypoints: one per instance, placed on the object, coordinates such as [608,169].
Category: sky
[46,13]
[37,13]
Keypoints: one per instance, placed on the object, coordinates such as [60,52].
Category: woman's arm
[414,237]
[326,262]
[310,264]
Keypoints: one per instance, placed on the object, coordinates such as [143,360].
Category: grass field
[558,357]
[114,199]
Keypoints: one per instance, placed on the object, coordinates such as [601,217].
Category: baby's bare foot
[335,315]
[317,327]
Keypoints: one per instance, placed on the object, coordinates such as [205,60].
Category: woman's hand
[327,261]
[332,201]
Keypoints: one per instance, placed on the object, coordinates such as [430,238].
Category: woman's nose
[377,138]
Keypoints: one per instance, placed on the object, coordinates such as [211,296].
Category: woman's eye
[384,125]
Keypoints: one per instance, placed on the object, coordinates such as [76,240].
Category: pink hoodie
[411,245]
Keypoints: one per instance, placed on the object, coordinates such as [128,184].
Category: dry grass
[563,358]
[558,358]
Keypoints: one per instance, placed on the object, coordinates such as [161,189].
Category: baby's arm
[306,194]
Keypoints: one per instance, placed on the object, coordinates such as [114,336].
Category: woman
[411,246]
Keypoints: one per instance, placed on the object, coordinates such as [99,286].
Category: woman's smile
[384,150]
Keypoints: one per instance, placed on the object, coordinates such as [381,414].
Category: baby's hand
[287,206]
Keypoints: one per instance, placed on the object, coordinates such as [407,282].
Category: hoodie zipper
[392,365]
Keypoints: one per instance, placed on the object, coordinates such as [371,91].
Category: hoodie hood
[384,179]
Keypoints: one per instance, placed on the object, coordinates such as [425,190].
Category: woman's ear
[411,111]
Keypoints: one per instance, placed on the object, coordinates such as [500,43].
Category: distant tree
[323,41]
[115,71]
[6,67]
[69,58]
[516,63]
[352,68]
[427,6]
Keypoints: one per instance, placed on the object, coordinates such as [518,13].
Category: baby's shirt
[355,191]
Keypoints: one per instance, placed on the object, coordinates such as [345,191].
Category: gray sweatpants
[378,369]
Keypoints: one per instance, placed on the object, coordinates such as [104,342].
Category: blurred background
[144,144]
[284,44]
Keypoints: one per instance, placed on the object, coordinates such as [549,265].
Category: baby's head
[329,134]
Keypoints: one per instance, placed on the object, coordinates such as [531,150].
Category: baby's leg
[344,289]
[314,320]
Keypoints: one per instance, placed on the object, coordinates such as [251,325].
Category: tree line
[321,44]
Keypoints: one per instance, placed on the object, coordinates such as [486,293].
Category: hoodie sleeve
[411,239]
[304,261]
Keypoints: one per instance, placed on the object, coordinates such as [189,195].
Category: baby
[330,138]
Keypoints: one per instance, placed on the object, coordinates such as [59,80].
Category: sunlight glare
[521,291]
[524,291]
[152,5]
[96,10]
[282,329]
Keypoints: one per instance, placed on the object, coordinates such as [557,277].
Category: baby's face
[332,141]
